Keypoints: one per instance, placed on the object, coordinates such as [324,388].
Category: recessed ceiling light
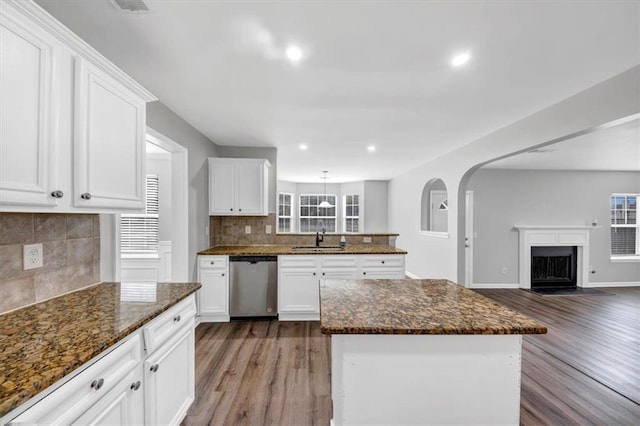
[371,148]
[303,147]
[460,59]
[294,53]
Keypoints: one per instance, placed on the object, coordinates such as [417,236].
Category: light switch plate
[247,229]
[32,256]
[267,229]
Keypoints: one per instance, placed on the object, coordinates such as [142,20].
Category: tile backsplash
[71,256]
[230,231]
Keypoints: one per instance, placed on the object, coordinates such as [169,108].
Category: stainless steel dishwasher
[254,286]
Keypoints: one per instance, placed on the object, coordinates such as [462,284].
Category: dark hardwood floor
[584,371]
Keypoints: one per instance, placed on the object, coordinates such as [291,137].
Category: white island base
[379,379]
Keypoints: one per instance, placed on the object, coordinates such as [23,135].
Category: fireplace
[554,266]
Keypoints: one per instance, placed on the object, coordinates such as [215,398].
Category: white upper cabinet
[109,137]
[27,171]
[238,186]
[72,125]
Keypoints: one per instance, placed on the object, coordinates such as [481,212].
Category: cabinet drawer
[382,261]
[213,262]
[303,261]
[166,325]
[339,261]
[73,398]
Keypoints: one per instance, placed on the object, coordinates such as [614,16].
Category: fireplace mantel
[553,235]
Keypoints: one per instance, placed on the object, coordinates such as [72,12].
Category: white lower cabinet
[130,385]
[213,297]
[122,405]
[299,278]
[169,380]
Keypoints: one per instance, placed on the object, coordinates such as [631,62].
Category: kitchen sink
[314,249]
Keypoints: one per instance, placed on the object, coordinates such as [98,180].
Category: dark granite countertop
[276,250]
[42,343]
[415,307]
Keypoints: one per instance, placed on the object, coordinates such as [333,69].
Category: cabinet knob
[383,262]
[213,263]
[154,368]
[239,210]
[314,274]
[86,196]
[231,209]
[176,318]
[364,273]
[97,384]
[57,194]
[135,385]
[223,275]
[323,273]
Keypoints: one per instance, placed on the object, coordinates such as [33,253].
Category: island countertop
[277,250]
[42,343]
[409,306]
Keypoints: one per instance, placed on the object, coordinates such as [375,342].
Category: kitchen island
[421,352]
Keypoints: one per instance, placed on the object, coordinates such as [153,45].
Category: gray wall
[376,205]
[165,121]
[161,165]
[270,154]
[504,198]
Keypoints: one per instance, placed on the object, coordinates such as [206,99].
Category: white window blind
[314,218]
[139,233]
[351,213]
[625,234]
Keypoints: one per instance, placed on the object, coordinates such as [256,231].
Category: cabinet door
[214,294]
[122,405]
[298,291]
[27,165]
[109,151]
[221,188]
[250,188]
[169,380]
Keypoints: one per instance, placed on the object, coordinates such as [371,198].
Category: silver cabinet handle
[135,385]
[86,196]
[97,384]
[57,194]
[154,368]
[176,318]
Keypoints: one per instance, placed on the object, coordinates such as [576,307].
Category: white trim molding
[614,284]
[495,285]
[551,235]
[412,276]
[70,39]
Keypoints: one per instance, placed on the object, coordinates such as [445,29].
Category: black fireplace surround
[553,266]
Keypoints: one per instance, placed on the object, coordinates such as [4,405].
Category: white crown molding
[34,12]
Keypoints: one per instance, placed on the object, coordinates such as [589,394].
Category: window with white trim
[140,233]
[285,211]
[351,213]
[314,218]
[625,230]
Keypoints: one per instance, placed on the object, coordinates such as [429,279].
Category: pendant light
[325,204]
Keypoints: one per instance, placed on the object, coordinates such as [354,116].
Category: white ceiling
[373,72]
[614,148]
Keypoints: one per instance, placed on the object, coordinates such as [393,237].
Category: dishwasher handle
[253,259]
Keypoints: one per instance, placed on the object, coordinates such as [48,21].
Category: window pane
[631,203]
[287,210]
[355,199]
[356,211]
[623,241]
[631,217]
[349,211]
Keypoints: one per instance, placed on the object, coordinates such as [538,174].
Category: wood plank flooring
[585,371]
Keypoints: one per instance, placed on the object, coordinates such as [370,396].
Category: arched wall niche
[434,207]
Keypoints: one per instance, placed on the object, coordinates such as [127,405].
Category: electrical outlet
[32,256]
[267,229]
[504,270]
[247,229]
[366,239]
[206,231]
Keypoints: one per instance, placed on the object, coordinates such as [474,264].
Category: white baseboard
[496,285]
[412,276]
[613,284]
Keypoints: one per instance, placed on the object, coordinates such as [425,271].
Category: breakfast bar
[421,352]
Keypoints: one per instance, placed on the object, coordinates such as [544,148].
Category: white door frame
[110,224]
[468,242]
